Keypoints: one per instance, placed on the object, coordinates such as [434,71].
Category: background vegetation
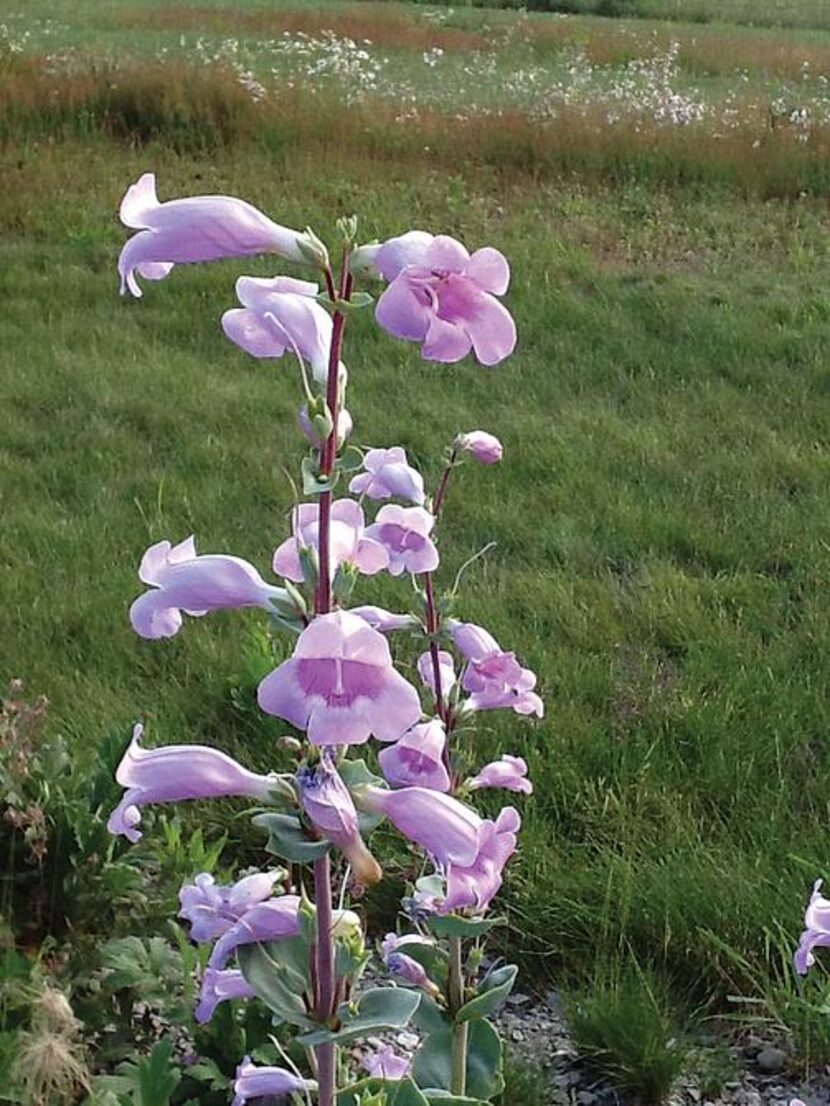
[661,514]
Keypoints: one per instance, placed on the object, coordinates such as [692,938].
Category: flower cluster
[339,685]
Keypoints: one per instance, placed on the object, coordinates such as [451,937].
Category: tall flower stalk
[340,687]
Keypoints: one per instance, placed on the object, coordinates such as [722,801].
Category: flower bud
[484,447]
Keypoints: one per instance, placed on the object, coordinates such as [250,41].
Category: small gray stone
[771,1060]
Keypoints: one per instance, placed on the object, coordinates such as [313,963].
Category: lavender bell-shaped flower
[183,581]
[387,474]
[195,228]
[212,909]
[266,1083]
[387,1064]
[483,447]
[327,802]
[507,772]
[817,929]
[340,685]
[417,760]
[494,678]
[350,542]
[404,533]
[272,920]
[174,773]
[220,986]
[403,967]
[444,298]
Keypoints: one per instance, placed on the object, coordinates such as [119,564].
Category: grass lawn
[661,515]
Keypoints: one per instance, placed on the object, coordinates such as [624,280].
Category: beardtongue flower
[417,759]
[340,685]
[350,542]
[494,678]
[445,298]
[404,534]
[475,885]
[387,474]
[385,1063]
[470,851]
[508,772]
[219,986]
[484,447]
[183,581]
[212,910]
[272,920]
[174,773]
[196,228]
[446,671]
[404,967]
[817,929]
[280,315]
[266,1083]
[327,802]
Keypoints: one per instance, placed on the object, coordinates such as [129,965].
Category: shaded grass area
[659,515]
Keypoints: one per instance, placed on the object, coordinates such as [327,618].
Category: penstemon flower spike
[340,687]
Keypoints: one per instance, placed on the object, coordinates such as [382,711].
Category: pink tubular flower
[446,671]
[212,910]
[507,772]
[444,298]
[266,1083]
[469,850]
[182,581]
[388,475]
[219,986]
[279,315]
[196,228]
[817,929]
[174,773]
[272,920]
[484,447]
[404,533]
[327,802]
[340,685]
[417,760]
[494,678]
[350,542]
[474,886]
[387,1064]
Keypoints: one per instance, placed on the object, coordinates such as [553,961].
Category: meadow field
[661,515]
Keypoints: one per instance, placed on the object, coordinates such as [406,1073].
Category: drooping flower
[817,929]
[272,920]
[212,909]
[387,474]
[385,621]
[174,773]
[445,298]
[507,772]
[195,228]
[405,968]
[349,541]
[417,759]
[279,315]
[340,685]
[494,678]
[220,986]
[470,851]
[474,886]
[183,581]
[387,1064]
[266,1083]
[446,671]
[404,534]
[327,802]
[484,447]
